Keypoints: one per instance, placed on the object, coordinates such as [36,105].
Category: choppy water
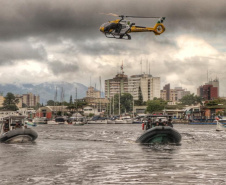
[108,154]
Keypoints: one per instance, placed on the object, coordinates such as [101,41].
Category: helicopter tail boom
[157,29]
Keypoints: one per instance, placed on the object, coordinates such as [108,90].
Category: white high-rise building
[148,85]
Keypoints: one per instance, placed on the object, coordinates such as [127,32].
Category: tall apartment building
[92,93]
[210,90]
[30,99]
[148,85]
[119,84]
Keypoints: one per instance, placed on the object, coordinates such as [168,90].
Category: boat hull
[220,126]
[19,135]
[160,135]
[77,123]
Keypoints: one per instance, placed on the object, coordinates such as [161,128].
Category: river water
[108,154]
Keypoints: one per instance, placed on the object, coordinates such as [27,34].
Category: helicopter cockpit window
[109,26]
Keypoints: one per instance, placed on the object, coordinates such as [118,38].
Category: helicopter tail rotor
[161,19]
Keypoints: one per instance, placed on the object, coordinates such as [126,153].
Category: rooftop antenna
[149,67]
[207,76]
[141,65]
[100,86]
[90,81]
[122,68]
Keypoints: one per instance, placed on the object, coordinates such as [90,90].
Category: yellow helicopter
[120,28]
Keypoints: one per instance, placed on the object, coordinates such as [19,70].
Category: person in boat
[156,123]
[18,125]
[170,123]
[148,124]
[160,123]
[6,126]
[164,123]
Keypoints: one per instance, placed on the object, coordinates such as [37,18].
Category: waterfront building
[87,110]
[1,100]
[145,84]
[99,105]
[210,90]
[93,93]
[51,111]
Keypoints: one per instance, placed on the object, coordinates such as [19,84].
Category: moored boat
[42,120]
[14,130]
[77,121]
[220,126]
[30,123]
[60,120]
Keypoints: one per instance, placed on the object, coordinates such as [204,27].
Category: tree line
[122,103]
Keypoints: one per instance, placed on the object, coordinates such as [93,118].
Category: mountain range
[47,90]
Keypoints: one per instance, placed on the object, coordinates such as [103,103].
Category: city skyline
[60,41]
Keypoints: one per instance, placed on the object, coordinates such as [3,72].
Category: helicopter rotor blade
[112,14]
[141,17]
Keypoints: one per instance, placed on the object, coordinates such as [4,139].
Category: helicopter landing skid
[118,37]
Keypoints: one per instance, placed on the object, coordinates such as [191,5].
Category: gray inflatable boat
[14,130]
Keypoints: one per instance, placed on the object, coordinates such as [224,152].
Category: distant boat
[30,123]
[220,126]
[14,130]
[60,120]
[76,121]
[42,120]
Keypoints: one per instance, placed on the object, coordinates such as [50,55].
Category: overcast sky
[43,41]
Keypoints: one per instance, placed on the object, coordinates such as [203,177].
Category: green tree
[70,101]
[50,103]
[191,99]
[126,103]
[139,102]
[38,105]
[216,102]
[10,102]
[24,105]
[155,105]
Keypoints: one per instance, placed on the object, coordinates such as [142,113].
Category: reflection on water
[108,154]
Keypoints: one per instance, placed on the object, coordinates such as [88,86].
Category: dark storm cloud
[81,19]
[11,52]
[58,67]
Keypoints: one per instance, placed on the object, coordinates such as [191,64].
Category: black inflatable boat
[160,135]
[159,129]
